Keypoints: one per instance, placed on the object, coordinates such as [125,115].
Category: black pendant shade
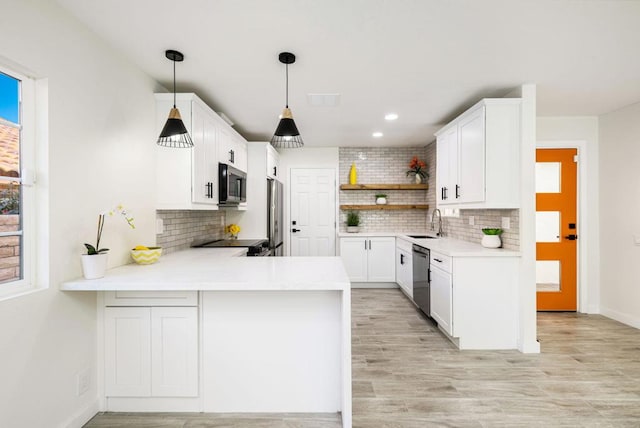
[287,135]
[174,134]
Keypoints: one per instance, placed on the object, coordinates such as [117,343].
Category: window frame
[27,127]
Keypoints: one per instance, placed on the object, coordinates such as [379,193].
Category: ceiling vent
[323,100]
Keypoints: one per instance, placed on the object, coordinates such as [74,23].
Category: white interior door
[312,225]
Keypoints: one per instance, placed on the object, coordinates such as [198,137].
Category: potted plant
[417,168]
[491,238]
[353,221]
[94,263]
[381,199]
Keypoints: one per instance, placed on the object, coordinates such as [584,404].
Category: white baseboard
[531,347]
[622,317]
[83,416]
[374,285]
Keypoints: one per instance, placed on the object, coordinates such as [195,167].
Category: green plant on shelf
[353,218]
[491,230]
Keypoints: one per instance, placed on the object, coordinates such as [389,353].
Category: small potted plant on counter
[381,199]
[491,238]
[353,221]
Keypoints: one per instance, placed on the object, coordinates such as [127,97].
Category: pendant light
[174,134]
[287,135]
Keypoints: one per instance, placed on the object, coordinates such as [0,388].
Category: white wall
[326,157]
[582,133]
[101,152]
[620,214]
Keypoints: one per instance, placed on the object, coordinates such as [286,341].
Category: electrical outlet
[83,382]
[506,223]
[472,220]
[159,226]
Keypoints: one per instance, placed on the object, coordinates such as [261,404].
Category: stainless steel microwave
[232,185]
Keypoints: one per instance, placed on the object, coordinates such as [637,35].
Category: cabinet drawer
[441,261]
[404,245]
[151,298]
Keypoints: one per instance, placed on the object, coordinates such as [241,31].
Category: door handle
[571,237]
[296,230]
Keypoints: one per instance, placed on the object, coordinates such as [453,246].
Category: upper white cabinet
[273,163]
[478,157]
[188,178]
[369,259]
[232,148]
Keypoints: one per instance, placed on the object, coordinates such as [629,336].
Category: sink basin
[422,237]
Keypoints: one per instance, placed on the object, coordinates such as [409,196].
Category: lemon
[140,247]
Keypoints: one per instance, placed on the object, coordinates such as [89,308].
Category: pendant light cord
[174,83]
[287,79]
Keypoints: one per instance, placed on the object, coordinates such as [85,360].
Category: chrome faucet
[439,221]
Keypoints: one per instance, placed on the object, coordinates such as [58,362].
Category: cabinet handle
[445,193]
[365,245]
[442,193]
[438,260]
[231,156]
[209,190]
[401,259]
[275,171]
[457,191]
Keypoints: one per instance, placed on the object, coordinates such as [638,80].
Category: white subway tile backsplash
[182,227]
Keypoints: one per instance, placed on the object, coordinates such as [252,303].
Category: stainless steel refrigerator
[275,209]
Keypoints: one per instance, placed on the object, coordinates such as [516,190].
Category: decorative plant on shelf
[381,199]
[94,250]
[418,169]
[491,238]
[353,221]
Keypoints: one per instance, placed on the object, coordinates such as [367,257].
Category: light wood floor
[407,375]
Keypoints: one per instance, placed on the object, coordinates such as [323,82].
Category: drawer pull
[438,260]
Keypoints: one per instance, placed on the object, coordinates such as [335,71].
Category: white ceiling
[426,60]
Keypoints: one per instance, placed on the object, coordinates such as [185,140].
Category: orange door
[556,229]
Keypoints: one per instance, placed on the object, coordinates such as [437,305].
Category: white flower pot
[491,241]
[353,229]
[381,201]
[94,266]
[418,179]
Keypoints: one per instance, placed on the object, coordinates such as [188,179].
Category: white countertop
[211,269]
[447,246]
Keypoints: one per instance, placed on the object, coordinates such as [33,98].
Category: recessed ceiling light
[377,134]
[391,116]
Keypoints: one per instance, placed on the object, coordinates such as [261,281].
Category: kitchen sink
[422,236]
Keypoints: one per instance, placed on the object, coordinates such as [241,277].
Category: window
[16,190]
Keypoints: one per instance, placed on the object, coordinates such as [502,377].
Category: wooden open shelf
[384,207]
[384,186]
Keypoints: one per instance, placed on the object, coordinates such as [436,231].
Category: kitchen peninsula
[203,331]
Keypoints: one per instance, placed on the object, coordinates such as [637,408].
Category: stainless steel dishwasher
[421,279]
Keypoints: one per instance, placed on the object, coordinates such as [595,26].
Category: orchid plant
[94,250]
[417,167]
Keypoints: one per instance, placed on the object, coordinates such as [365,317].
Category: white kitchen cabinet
[232,148]
[369,259]
[151,351]
[404,266]
[187,178]
[273,163]
[478,157]
[441,293]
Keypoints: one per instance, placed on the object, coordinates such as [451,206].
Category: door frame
[588,300]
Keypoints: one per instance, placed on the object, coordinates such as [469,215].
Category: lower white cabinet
[441,294]
[369,259]
[151,351]
[404,271]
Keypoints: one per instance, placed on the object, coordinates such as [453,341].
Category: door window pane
[547,226]
[548,275]
[548,177]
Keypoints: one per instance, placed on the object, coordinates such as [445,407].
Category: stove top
[230,243]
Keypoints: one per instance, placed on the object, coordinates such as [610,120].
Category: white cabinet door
[447,166]
[127,352]
[442,299]
[354,256]
[470,183]
[273,163]
[404,271]
[232,149]
[205,160]
[240,153]
[381,265]
[174,350]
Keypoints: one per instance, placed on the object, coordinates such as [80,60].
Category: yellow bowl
[146,257]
